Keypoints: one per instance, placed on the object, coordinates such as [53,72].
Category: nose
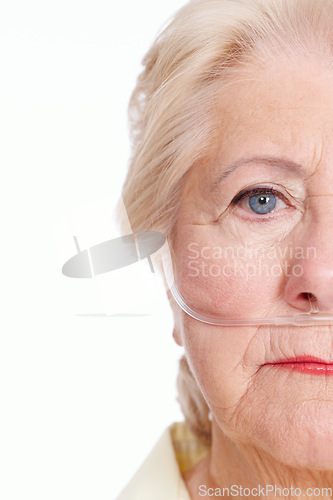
[310,283]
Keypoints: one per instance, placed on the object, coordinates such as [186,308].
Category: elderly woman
[232,160]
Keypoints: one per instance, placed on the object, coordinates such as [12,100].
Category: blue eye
[262,203]
[261,200]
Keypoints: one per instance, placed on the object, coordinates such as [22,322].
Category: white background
[83,398]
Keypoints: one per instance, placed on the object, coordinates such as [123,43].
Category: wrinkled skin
[271,425]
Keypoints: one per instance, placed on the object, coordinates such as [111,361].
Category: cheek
[216,357]
[228,280]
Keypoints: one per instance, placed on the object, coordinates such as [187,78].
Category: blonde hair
[172,108]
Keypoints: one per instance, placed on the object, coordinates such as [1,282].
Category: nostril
[308,295]
[312,301]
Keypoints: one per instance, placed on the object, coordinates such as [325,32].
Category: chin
[302,439]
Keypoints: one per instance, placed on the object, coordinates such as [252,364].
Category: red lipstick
[305,364]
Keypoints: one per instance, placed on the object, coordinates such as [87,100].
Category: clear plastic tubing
[299,319]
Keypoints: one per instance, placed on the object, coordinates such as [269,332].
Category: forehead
[285,107]
[282,111]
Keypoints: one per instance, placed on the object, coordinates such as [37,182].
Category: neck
[231,467]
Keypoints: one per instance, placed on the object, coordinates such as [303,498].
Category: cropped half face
[254,238]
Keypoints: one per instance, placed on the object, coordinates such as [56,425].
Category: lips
[310,365]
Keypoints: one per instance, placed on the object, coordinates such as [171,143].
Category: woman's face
[274,132]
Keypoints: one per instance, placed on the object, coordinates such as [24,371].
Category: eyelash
[259,190]
[250,192]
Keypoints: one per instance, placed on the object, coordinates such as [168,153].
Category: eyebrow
[278,162]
